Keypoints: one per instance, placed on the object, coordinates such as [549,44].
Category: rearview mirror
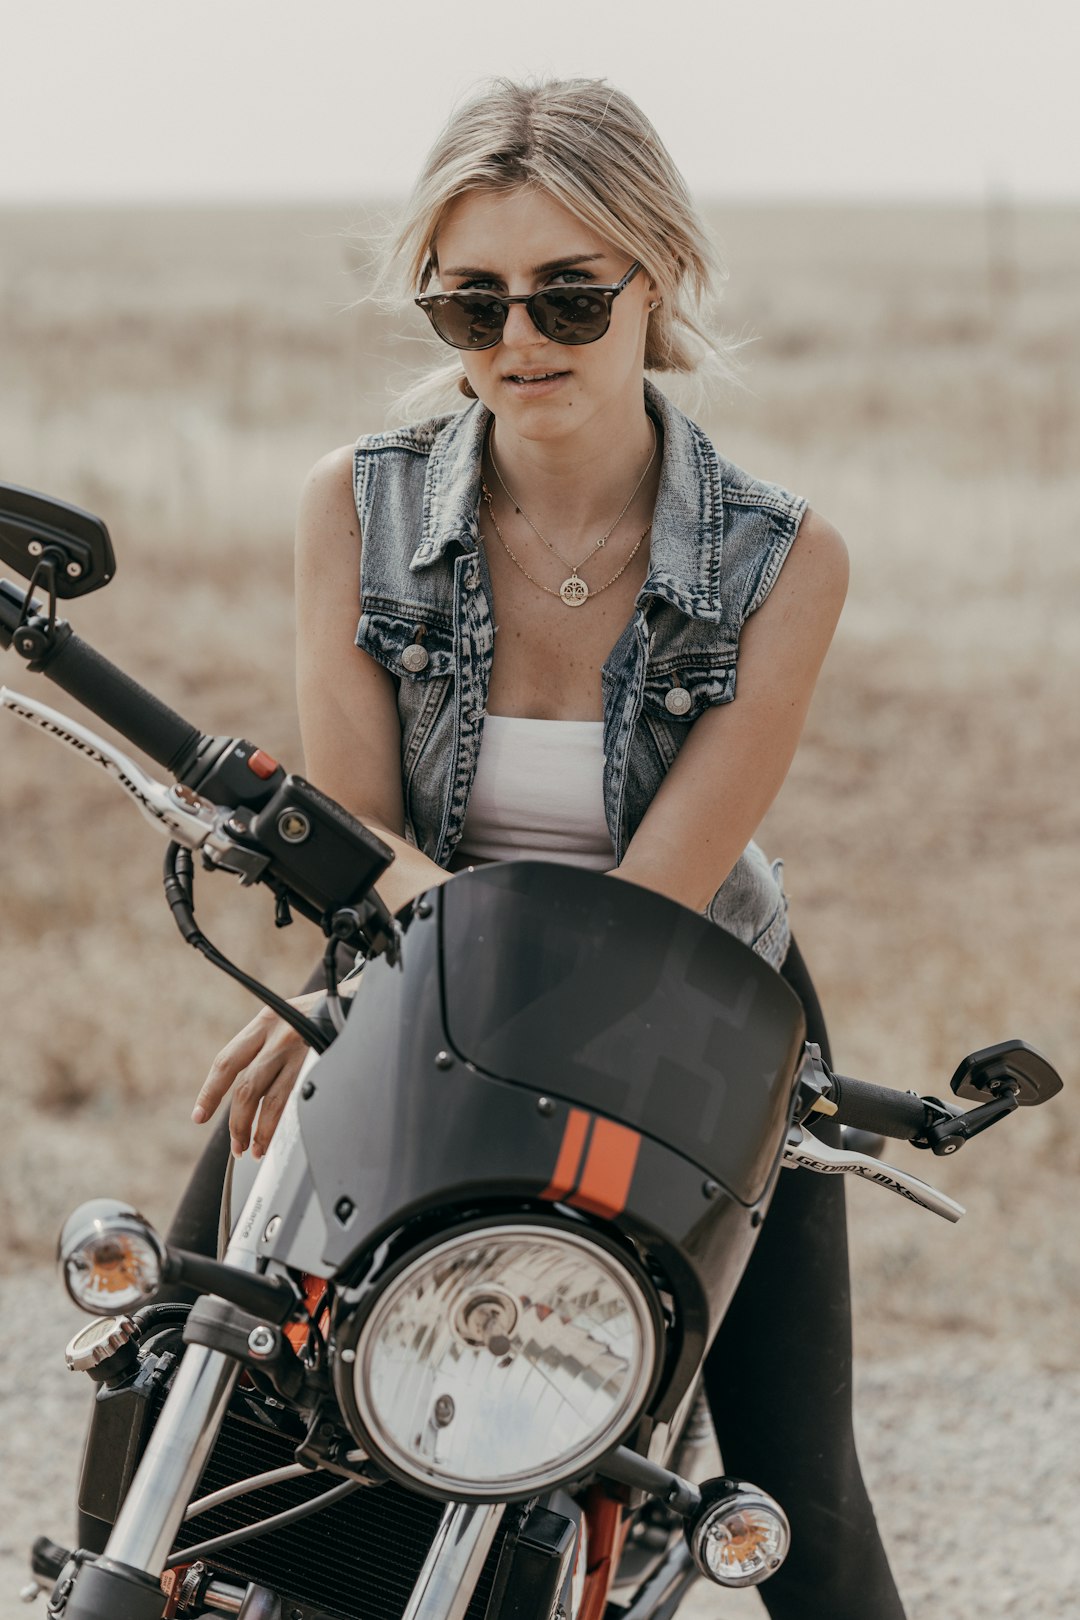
[1009,1065]
[36,529]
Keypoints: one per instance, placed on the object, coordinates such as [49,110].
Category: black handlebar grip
[878,1109]
[121,702]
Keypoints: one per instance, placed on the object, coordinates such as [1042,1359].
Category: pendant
[574,590]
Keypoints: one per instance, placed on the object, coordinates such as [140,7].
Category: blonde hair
[591,148]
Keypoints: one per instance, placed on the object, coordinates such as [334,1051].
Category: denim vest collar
[686,545]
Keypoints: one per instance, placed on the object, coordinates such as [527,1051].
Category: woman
[561,587]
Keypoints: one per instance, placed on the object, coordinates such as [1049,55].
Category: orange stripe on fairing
[609,1169]
[570,1150]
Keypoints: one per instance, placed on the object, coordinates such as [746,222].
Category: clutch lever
[805,1152]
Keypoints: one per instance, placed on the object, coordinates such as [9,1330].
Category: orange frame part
[607,1523]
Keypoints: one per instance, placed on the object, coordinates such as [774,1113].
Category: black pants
[778,1377]
[778,1380]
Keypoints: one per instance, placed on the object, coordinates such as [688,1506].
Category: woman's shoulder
[335,477]
[339,466]
[746,491]
[417,438]
[697,457]
[326,513]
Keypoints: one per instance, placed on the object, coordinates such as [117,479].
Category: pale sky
[255,100]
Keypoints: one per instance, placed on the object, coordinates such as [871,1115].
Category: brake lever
[806,1152]
[185,816]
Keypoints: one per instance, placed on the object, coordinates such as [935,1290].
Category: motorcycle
[447,1364]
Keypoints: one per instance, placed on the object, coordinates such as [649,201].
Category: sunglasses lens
[571,315]
[469,320]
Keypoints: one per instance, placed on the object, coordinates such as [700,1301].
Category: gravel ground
[970,1454]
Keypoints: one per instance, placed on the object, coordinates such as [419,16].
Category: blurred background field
[915,372]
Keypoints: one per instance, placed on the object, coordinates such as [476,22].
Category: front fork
[125,1582]
[445,1586]
[175,1457]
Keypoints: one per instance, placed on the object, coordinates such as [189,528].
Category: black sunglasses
[576,313]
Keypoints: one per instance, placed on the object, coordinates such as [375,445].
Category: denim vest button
[677,701]
[415,658]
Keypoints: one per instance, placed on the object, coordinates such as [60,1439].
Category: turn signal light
[110,1258]
[739,1536]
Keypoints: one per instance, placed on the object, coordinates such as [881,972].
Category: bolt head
[262,1342]
[710,1188]
[545,1106]
[293,826]
[35,548]
[273,1227]
[443,1060]
[74,570]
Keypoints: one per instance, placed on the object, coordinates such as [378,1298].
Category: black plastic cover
[318,850]
[603,992]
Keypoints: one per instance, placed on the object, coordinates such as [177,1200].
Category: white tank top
[539,793]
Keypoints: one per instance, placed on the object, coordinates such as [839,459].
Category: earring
[656,303]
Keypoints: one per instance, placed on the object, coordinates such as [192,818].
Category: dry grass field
[917,374]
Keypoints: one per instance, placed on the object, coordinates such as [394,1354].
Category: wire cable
[330,974]
[243,1487]
[179,891]
[277,1521]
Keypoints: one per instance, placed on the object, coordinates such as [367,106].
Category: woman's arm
[732,765]
[352,750]
[347,703]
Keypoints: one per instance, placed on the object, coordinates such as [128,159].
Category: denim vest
[719,539]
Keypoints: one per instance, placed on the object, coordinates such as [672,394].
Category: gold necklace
[573,591]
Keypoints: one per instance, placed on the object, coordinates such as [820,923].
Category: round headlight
[110,1258]
[504,1361]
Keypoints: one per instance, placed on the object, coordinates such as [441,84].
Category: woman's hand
[264,1060]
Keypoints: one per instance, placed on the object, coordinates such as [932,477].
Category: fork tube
[182,1440]
[445,1586]
[191,1418]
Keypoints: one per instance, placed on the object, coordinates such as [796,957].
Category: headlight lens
[505,1361]
[111,1259]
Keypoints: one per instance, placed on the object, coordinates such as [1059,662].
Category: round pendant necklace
[573,591]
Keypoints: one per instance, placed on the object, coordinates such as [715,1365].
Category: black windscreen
[620,1000]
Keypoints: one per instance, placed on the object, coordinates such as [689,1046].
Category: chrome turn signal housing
[739,1536]
[110,1258]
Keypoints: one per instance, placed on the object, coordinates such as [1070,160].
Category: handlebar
[233,801]
[880,1110]
[99,685]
